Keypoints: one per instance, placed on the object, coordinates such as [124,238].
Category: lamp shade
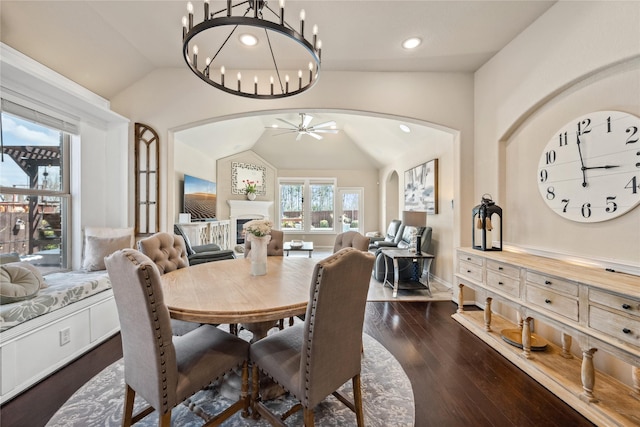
[414,218]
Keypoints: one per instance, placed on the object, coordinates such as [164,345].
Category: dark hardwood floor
[457,379]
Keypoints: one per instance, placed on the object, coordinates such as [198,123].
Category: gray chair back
[351,239]
[394,231]
[149,353]
[332,343]
[167,251]
[274,248]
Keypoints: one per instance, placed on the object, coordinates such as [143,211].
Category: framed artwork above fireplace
[245,172]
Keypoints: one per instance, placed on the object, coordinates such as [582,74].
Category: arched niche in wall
[147,189]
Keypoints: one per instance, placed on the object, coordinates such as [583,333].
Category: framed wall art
[421,187]
[241,173]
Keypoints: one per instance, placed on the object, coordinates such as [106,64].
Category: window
[34,189]
[351,208]
[296,215]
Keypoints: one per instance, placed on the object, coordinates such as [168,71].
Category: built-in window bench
[75,313]
[598,308]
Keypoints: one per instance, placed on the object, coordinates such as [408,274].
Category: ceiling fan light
[404,128]
[412,43]
[248,39]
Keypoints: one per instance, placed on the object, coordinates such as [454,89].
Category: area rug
[439,292]
[387,395]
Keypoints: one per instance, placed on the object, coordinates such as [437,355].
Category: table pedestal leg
[231,386]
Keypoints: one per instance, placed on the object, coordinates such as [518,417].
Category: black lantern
[484,223]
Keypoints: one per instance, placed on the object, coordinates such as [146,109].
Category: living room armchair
[391,238]
[202,253]
[405,265]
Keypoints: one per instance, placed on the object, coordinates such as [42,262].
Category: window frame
[306,182]
[64,194]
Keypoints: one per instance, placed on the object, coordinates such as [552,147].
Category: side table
[394,255]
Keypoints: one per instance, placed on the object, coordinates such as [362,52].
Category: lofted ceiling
[106,46]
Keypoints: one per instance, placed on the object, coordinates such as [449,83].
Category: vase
[251,196]
[258,254]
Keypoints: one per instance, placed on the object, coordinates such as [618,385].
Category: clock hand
[583,168]
[602,167]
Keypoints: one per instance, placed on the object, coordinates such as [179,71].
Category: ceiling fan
[304,127]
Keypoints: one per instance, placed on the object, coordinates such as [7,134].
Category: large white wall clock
[590,169]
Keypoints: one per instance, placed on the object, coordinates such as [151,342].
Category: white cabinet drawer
[470,270]
[553,283]
[625,328]
[473,259]
[563,305]
[625,305]
[503,283]
[502,268]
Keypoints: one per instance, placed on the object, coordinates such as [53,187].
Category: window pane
[322,200]
[32,206]
[291,206]
[31,155]
[350,211]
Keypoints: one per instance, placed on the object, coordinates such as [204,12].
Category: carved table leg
[566,346]
[635,379]
[487,315]
[460,298]
[588,375]
[526,338]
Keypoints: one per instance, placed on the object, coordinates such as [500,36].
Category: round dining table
[226,292]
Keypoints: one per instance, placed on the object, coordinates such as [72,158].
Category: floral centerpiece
[250,186]
[258,232]
[258,227]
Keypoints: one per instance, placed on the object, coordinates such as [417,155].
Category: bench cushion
[17,283]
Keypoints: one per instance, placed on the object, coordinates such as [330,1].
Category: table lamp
[416,219]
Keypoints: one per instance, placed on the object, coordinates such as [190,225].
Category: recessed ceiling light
[412,43]
[248,39]
[274,126]
[405,128]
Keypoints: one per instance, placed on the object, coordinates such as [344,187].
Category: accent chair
[391,238]
[202,253]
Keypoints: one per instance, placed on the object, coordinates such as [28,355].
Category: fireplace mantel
[246,209]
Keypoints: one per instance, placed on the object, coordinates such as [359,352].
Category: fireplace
[242,211]
[239,232]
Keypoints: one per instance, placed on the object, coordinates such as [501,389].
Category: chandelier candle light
[258,20]
[258,231]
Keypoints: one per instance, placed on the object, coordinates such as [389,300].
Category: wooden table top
[226,292]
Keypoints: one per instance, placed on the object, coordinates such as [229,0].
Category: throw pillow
[97,248]
[17,283]
[36,272]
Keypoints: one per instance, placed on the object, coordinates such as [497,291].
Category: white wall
[100,180]
[171,99]
[578,57]
[550,74]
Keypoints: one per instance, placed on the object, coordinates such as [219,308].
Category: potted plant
[250,188]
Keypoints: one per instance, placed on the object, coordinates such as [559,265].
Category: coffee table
[306,246]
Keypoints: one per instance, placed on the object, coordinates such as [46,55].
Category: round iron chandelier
[264,26]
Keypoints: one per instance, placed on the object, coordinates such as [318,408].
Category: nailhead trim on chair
[152,301]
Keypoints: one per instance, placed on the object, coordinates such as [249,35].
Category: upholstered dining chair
[162,369]
[274,248]
[314,359]
[351,239]
[168,253]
